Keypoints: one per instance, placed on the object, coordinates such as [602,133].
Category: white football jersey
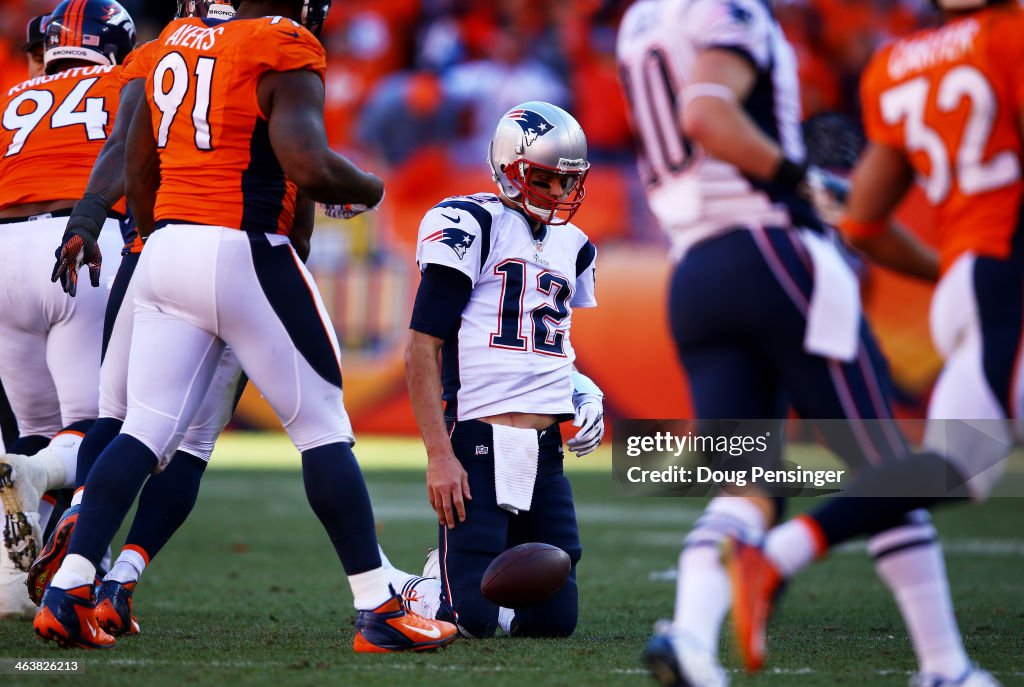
[692,194]
[511,352]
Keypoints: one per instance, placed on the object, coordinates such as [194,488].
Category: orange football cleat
[67,617]
[114,611]
[756,583]
[392,627]
[46,564]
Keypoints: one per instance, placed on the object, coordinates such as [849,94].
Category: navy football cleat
[114,611]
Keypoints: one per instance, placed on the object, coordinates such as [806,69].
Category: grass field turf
[251,593]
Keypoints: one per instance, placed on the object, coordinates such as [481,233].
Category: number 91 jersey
[950,98]
[217,166]
[511,351]
[53,127]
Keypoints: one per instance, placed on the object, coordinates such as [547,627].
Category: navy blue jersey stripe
[117,292]
[482,217]
[585,257]
[263,184]
[289,295]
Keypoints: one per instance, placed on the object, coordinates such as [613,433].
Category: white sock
[76,498]
[794,545]
[45,511]
[916,575]
[505,618]
[369,589]
[74,572]
[398,578]
[423,596]
[128,567]
[64,449]
[703,594]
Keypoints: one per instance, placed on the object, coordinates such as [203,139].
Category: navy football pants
[738,307]
[467,550]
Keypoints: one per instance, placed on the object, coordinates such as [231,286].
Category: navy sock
[165,503]
[881,496]
[95,441]
[109,493]
[81,427]
[30,445]
[337,493]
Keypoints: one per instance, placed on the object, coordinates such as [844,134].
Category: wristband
[583,385]
[789,174]
[862,230]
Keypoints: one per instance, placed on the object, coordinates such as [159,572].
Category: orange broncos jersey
[51,132]
[950,98]
[139,63]
[216,163]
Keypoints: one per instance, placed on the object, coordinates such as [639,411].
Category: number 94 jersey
[53,127]
[950,98]
[511,351]
[216,163]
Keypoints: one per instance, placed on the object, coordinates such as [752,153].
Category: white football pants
[49,341]
[214,412]
[200,288]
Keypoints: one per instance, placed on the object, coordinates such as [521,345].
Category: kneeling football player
[501,274]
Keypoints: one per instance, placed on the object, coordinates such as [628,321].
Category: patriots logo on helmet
[532,124]
[456,239]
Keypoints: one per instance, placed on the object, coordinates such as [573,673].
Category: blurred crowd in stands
[409,77]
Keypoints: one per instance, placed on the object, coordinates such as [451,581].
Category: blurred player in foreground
[952,123]
[500,277]
[219,271]
[764,308]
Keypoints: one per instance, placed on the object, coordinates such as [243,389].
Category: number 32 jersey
[511,351]
[53,127]
[950,99]
[217,166]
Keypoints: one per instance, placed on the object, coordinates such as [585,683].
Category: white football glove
[590,420]
[348,210]
[828,193]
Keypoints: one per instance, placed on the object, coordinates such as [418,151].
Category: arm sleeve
[586,277]
[453,235]
[440,299]
[743,26]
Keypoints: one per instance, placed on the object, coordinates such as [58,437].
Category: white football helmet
[539,136]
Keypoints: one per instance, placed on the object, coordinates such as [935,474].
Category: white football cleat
[22,483]
[14,601]
[432,566]
[974,677]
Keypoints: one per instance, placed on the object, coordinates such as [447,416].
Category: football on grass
[525,575]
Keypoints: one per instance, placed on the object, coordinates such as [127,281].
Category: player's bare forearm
[294,102]
[423,377]
[879,182]
[719,124]
[108,172]
[302,225]
[899,250]
[447,480]
[142,169]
